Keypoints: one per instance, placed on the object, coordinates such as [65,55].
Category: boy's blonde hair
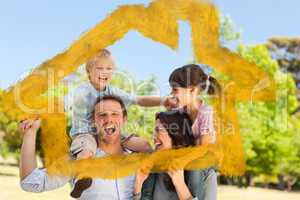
[102,54]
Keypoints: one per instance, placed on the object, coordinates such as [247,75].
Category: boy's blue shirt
[84,98]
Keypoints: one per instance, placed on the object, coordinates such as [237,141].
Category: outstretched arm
[149,101]
[28,161]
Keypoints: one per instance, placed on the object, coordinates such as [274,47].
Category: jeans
[203,183]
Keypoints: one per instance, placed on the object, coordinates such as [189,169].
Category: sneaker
[80,186]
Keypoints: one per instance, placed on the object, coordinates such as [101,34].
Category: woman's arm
[182,190]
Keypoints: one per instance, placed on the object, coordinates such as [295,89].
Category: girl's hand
[29,126]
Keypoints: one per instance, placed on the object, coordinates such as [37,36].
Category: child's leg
[136,143]
[83,146]
[203,183]
[210,186]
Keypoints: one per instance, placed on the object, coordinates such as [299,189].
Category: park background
[264,32]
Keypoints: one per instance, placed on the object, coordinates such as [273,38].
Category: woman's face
[162,140]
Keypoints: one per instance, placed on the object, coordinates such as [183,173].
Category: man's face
[101,73]
[109,120]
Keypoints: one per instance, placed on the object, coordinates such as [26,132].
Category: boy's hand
[170,102]
[29,126]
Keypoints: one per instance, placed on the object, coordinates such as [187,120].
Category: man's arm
[32,178]
[28,161]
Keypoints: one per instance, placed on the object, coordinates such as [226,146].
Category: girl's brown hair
[192,75]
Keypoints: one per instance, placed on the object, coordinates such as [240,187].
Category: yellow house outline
[158,21]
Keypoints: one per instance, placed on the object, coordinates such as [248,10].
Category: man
[109,116]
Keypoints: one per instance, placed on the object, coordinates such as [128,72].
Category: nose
[108,118]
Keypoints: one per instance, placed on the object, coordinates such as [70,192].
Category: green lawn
[10,189]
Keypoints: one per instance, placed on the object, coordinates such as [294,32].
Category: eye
[102,115]
[115,114]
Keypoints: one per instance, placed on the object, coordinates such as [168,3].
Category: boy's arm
[28,161]
[81,114]
[149,101]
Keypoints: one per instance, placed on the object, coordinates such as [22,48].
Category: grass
[10,189]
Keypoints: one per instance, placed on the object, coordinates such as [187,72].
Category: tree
[268,128]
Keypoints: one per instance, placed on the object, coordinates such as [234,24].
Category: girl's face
[162,140]
[184,96]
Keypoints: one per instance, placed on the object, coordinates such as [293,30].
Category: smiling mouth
[158,145]
[110,130]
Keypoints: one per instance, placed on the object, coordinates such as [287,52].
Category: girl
[187,83]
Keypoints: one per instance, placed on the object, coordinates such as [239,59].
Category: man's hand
[29,126]
[28,129]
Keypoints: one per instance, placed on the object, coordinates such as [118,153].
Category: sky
[33,31]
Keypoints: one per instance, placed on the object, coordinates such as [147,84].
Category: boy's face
[101,73]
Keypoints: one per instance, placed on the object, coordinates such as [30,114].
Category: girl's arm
[205,139]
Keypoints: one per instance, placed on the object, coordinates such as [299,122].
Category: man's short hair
[113,98]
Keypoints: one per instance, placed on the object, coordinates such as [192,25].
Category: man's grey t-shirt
[108,189]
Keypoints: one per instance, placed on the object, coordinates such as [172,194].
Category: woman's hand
[176,175]
[139,180]
[182,190]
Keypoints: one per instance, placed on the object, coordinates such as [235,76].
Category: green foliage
[140,119]
[228,30]
[268,129]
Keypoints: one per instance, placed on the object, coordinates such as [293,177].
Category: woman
[172,130]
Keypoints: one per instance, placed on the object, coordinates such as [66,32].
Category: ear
[194,89]
[125,119]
